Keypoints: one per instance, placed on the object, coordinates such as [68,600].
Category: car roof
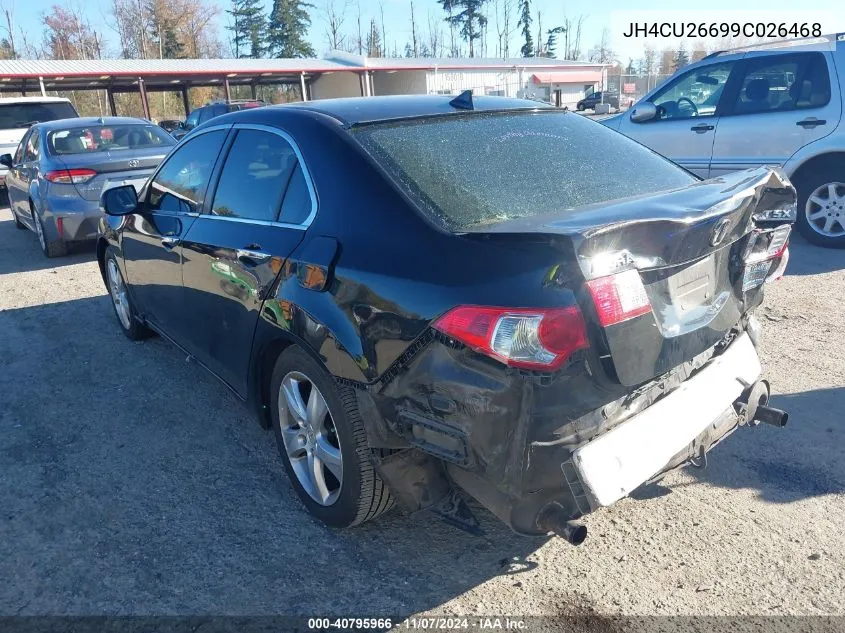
[356,110]
[14,100]
[62,124]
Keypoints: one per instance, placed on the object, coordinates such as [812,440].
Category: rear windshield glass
[107,138]
[14,115]
[475,170]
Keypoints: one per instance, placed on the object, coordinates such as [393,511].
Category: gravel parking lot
[131,482]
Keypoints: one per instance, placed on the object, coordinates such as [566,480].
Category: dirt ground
[131,482]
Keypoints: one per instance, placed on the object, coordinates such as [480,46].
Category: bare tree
[503,10]
[335,16]
[8,9]
[416,47]
[435,40]
[572,37]
[360,41]
[601,52]
[383,30]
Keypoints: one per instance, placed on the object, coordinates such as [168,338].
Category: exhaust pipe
[554,520]
[770,415]
[753,406]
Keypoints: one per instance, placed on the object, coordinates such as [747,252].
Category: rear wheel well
[102,245]
[264,376]
[816,163]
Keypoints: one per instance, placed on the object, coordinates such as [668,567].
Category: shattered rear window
[469,171]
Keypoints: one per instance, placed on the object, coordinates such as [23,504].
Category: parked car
[415,316]
[772,105]
[17,114]
[208,112]
[60,168]
[592,100]
[170,125]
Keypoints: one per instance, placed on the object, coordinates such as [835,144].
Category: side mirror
[6,160]
[121,200]
[642,112]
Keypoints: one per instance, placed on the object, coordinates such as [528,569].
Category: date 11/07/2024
[492,623]
[682,30]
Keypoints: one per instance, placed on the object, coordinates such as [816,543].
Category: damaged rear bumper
[614,464]
[530,448]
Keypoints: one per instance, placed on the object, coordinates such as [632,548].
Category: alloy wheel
[825,209]
[117,290]
[310,438]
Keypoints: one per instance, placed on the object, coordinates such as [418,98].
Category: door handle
[251,257]
[811,122]
[170,241]
[701,128]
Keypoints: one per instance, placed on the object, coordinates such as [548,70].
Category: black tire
[136,330]
[363,495]
[580,107]
[806,185]
[18,224]
[50,248]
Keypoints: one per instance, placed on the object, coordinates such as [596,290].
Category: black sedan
[425,297]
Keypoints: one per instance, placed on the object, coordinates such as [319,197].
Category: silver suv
[773,104]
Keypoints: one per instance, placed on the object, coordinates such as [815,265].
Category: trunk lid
[113,168]
[690,248]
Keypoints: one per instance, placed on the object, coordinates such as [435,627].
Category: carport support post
[303,87]
[110,97]
[227,89]
[186,103]
[142,88]
[43,89]
[253,90]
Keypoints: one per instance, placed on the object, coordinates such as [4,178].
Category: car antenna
[463,101]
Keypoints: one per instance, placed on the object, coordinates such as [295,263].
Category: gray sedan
[61,167]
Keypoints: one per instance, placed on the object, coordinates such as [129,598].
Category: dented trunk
[698,255]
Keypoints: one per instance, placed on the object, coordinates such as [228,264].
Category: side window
[694,94]
[260,163]
[783,82]
[180,185]
[193,119]
[18,157]
[296,206]
[206,113]
[31,152]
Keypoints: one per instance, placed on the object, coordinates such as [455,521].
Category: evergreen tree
[288,27]
[527,49]
[249,28]
[680,59]
[551,41]
[374,47]
[466,14]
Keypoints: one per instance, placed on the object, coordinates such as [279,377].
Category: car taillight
[70,176]
[540,338]
[763,245]
[619,297]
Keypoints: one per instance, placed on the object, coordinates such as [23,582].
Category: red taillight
[619,297]
[541,338]
[70,176]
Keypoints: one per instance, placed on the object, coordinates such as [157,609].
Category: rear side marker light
[70,176]
[539,339]
[60,226]
[619,297]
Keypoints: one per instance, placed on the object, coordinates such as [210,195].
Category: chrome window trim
[312,192]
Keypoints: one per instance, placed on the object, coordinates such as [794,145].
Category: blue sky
[611,14]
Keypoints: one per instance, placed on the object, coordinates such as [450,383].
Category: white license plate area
[616,463]
[755,274]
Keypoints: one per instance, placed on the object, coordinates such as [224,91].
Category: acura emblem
[134,163]
[720,230]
